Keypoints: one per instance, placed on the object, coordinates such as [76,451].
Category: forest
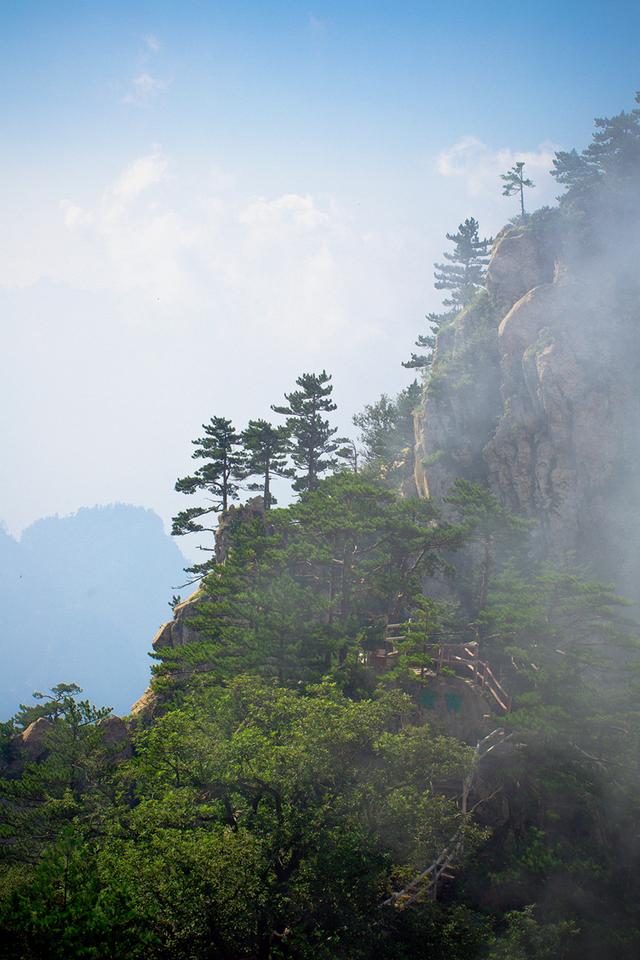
[397,726]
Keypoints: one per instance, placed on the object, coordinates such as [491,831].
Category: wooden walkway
[462,658]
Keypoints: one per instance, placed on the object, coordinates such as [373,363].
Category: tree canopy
[313,440]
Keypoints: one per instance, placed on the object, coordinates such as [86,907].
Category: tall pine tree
[217,477]
[605,175]
[515,182]
[462,276]
[265,455]
[313,443]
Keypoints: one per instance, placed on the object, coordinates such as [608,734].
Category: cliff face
[534,390]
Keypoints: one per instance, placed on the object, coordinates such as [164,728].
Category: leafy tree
[270,823]
[463,274]
[515,183]
[575,172]
[612,156]
[559,629]
[265,454]
[218,477]
[313,441]
[574,660]
[254,822]
[526,939]
[69,781]
[386,431]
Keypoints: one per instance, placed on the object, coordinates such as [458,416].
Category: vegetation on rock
[286,794]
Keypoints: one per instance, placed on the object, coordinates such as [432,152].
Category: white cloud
[143,173]
[152,42]
[290,209]
[143,88]
[478,166]
[170,295]
[171,247]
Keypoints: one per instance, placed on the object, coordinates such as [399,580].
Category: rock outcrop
[31,744]
[180,630]
[534,390]
[175,633]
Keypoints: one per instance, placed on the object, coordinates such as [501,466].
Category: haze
[200,201]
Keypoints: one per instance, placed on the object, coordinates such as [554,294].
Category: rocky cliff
[534,390]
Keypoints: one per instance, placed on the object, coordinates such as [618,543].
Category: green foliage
[296,592]
[387,434]
[601,201]
[435,321]
[526,939]
[431,622]
[462,276]
[67,785]
[515,182]
[561,630]
[574,659]
[313,441]
[217,477]
[613,156]
[494,532]
[253,822]
[457,363]
[265,454]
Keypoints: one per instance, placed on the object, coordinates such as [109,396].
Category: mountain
[533,391]
[80,596]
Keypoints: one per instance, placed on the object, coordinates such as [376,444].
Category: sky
[201,200]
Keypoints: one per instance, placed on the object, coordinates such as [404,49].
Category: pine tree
[615,149]
[515,182]
[265,455]
[611,161]
[420,361]
[217,477]
[314,446]
[463,276]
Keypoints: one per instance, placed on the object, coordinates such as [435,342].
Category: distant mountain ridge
[80,596]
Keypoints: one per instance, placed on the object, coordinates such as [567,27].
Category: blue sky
[201,200]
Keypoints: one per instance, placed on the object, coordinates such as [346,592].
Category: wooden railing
[462,658]
[425,884]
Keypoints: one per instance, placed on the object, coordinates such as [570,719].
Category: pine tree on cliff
[463,276]
[313,444]
[515,182]
[427,341]
[217,477]
[608,166]
[265,455]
